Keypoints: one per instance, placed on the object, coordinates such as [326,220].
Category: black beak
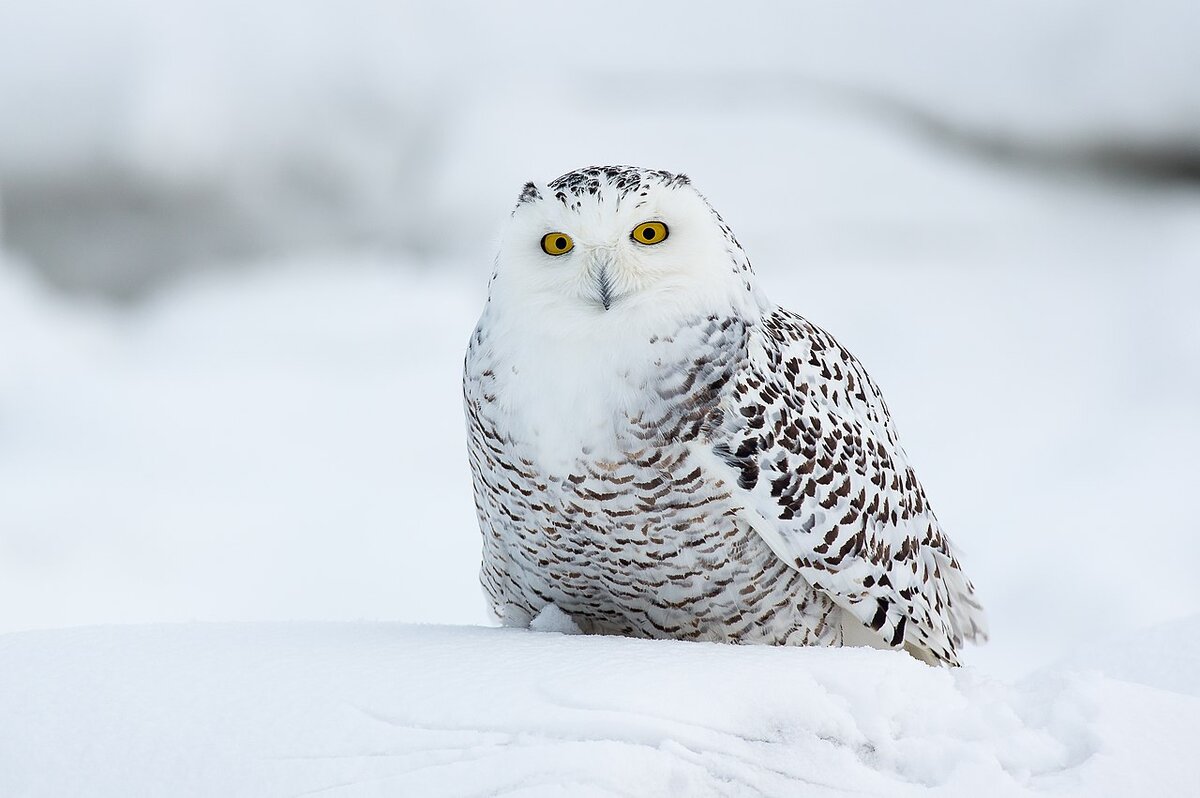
[604,282]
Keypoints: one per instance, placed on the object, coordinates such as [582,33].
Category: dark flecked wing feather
[805,434]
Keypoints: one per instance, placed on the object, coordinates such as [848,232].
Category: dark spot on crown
[624,179]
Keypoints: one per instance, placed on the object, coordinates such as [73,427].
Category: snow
[224,506]
[393,709]
[1166,656]
[552,619]
[148,454]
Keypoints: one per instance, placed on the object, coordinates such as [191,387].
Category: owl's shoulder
[794,363]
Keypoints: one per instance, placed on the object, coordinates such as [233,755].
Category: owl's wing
[805,436]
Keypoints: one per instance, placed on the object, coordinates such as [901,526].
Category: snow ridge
[392,709]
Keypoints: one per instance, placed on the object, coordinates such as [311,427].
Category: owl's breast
[590,495]
[604,395]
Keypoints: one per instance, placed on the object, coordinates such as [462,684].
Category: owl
[661,452]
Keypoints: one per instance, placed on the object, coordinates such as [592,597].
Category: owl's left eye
[650,233]
[557,243]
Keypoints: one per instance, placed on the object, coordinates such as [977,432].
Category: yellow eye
[650,233]
[557,244]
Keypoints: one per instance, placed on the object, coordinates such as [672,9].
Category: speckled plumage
[692,462]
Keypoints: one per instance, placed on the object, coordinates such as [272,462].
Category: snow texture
[389,709]
[552,619]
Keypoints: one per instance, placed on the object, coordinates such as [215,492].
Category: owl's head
[613,244]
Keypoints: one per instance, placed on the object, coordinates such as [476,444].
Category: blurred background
[242,245]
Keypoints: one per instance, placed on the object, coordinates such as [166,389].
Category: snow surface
[391,709]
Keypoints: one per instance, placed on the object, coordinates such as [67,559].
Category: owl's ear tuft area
[529,193]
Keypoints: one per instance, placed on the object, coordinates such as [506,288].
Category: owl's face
[613,244]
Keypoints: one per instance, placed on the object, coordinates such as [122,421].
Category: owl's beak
[601,272]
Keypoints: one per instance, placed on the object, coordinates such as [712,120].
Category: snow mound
[552,619]
[392,709]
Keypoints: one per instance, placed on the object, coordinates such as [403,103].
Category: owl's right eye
[557,244]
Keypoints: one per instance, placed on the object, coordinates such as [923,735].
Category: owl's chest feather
[589,459]
[595,499]
[603,396]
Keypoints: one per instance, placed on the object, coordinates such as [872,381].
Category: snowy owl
[661,452]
